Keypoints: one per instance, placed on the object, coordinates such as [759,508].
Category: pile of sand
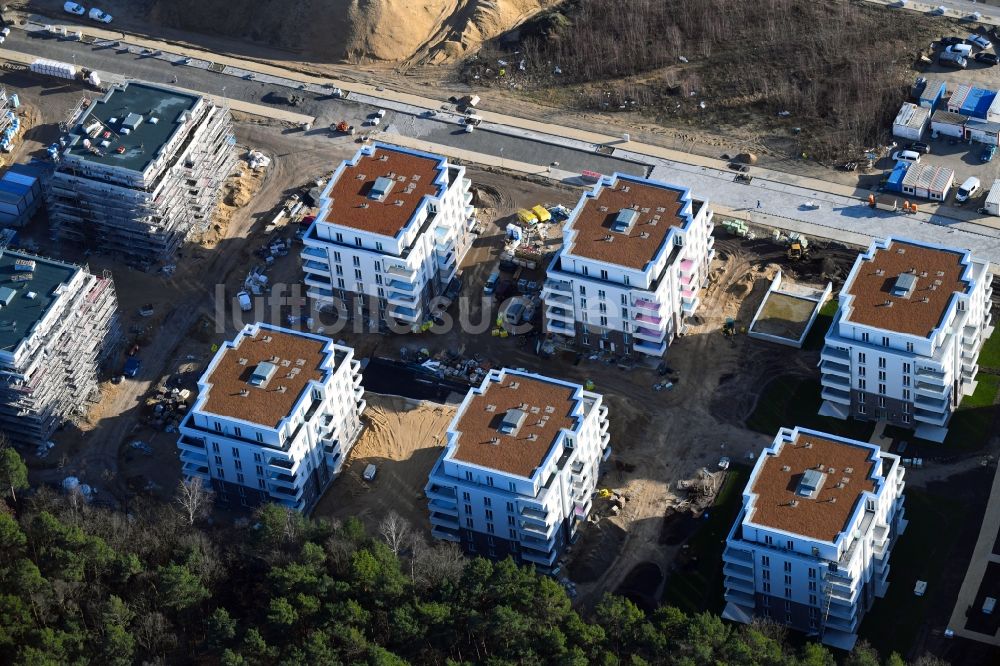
[352,30]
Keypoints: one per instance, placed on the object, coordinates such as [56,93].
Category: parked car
[132,366]
[988,153]
[99,16]
[968,189]
[963,49]
[491,283]
[919,147]
[74,8]
[939,10]
[980,41]
[948,41]
[987,58]
[244,300]
[906,156]
[947,59]
[370,471]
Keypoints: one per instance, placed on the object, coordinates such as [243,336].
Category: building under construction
[140,169]
[58,323]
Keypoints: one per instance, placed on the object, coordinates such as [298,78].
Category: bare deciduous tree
[396,531]
[193,498]
[430,565]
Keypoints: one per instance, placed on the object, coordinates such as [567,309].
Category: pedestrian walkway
[981,557]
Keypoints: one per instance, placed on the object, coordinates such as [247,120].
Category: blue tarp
[895,182]
[977,104]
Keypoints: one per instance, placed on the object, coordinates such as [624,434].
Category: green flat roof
[22,312]
[130,108]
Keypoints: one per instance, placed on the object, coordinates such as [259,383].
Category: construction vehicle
[343,128]
[798,247]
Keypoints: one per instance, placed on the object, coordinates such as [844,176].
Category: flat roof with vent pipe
[636,213]
[261,375]
[29,285]
[512,421]
[791,490]
[904,286]
[357,196]
[132,143]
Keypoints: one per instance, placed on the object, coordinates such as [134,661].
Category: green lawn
[989,357]
[814,341]
[970,426]
[922,551]
[793,401]
[699,587]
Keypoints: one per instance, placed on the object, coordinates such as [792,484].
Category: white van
[910,156]
[370,473]
[968,189]
[964,50]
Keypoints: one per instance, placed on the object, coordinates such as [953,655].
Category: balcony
[935,403]
[688,292]
[401,285]
[836,381]
[535,516]
[558,288]
[446,533]
[928,389]
[970,336]
[320,281]
[834,367]
[831,353]
[195,469]
[740,598]
[561,314]
[444,519]
[932,376]
[314,252]
[283,464]
[401,298]
[536,557]
[401,271]
[644,304]
[650,335]
[320,294]
[739,584]
[556,326]
[531,528]
[650,348]
[931,416]
[196,459]
[689,305]
[189,443]
[282,479]
[736,555]
[836,395]
[283,493]
[652,320]
[602,413]
[445,493]
[316,267]
[742,571]
[687,266]
[404,313]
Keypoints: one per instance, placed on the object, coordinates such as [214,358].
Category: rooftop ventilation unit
[512,421]
[381,187]
[625,220]
[811,483]
[6,296]
[904,285]
[262,373]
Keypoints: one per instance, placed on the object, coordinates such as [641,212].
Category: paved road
[782,196]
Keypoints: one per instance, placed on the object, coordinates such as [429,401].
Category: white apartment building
[277,413]
[393,226]
[58,324]
[904,344]
[635,254]
[519,467]
[811,546]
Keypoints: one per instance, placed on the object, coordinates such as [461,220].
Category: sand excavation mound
[352,30]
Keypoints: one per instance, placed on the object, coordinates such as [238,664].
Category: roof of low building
[403,177]
[811,485]
[31,293]
[656,208]
[298,360]
[545,408]
[937,275]
[136,120]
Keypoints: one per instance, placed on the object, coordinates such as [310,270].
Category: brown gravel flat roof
[297,355]
[659,211]
[413,178]
[548,406]
[820,517]
[938,275]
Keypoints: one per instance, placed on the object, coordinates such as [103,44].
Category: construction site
[138,170]
[58,324]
